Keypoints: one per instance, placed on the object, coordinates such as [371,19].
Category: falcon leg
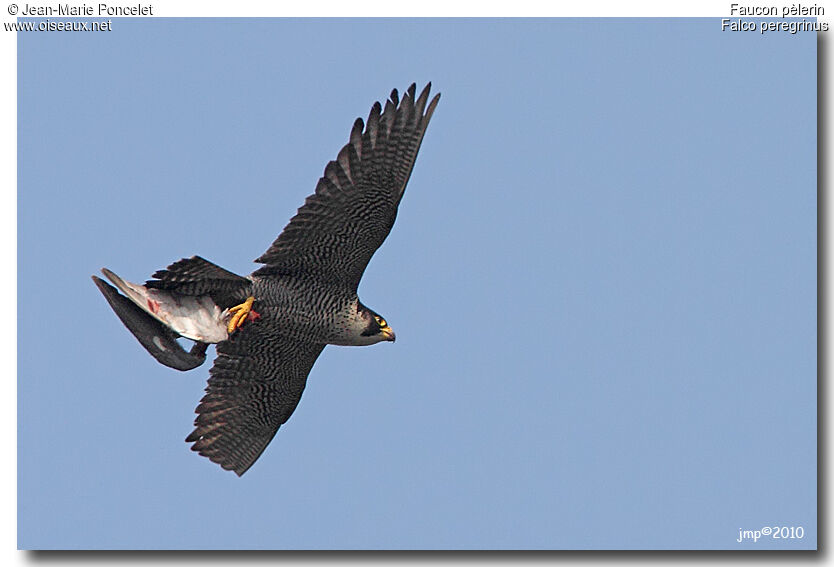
[241,313]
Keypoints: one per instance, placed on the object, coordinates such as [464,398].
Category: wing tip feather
[390,137]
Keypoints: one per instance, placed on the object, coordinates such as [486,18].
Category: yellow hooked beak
[388,333]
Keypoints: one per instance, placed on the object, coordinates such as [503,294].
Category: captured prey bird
[271,326]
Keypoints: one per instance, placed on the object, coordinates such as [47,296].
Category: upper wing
[255,384]
[341,225]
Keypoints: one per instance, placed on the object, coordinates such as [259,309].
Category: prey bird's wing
[158,339]
[254,386]
[341,225]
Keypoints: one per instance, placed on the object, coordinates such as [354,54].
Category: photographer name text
[90,10]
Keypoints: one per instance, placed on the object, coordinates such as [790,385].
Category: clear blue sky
[602,279]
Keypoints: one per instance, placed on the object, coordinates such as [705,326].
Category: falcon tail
[194,317]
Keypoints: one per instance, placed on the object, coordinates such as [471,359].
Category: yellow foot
[241,313]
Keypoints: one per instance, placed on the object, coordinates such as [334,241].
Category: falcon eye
[380,321]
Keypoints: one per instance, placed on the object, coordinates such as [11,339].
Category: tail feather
[197,276]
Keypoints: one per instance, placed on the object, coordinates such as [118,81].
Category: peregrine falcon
[271,326]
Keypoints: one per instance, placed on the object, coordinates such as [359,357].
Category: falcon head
[376,327]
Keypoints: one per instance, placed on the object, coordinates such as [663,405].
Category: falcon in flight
[271,326]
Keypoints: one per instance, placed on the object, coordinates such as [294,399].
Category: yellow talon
[239,314]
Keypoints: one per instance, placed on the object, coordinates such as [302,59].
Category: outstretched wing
[342,224]
[255,384]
